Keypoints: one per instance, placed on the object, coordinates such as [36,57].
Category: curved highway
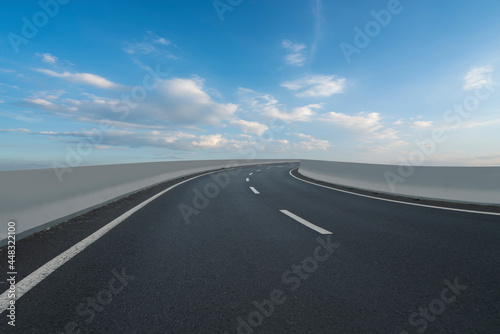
[255,250]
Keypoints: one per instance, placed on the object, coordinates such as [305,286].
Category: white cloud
[39,102]
[257,101]
[293,46]
[388,133]
[296,55]
[280,141]
[319,25]
[15,130]
[250,126]
[47,58]
[7,85]
[421,124]
[173,140]
[299,114]
[177,102]
[119,124]
[309,143]
[210,141]
[185,101]
[367,126]
[316,86]
[151,44]
[268,106]
[478,77]
[85,78]
[362,121]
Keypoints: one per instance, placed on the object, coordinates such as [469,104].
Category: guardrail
[37,199]
[476,185]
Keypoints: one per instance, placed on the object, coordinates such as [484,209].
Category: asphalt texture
[211,256]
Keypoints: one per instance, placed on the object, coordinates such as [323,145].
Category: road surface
[255,250]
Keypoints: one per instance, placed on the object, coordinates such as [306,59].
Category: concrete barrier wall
[478,185]
[37,199]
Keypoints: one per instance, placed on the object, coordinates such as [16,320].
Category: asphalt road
[284,256]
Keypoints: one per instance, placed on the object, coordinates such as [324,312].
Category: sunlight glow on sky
[104,82]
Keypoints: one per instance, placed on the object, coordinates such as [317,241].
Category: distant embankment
[476,185]
[38,199]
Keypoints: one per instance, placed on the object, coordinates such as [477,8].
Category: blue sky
[102,82]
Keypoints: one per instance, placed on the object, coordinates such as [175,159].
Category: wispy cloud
[47,58]
[210,141]
[299,114]
[309,143]
[10,86]
[250,126]
[174,140]
[366,126]
[367,122]
[39,102]
[319,25]
[256,100]
[387,133]
[478,77]
[186,101]
[85,78]
[15,130]
[151,44]
[268,106]
[22,116]
[421,124]
[118,124]
[295,54]
[176,102]
[316,86]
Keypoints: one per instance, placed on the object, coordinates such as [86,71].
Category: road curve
[255,250]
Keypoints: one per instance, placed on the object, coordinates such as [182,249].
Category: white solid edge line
[305,222]
[396,201]
[48,268]
[254,190]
